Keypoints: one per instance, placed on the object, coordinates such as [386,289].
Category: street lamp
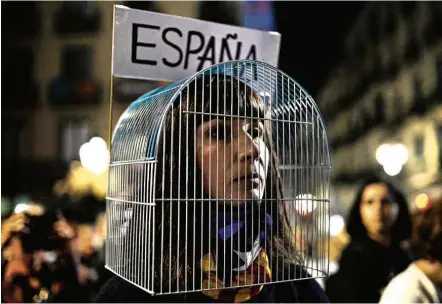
[392,157]
[94,155]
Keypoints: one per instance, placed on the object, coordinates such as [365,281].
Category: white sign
[162,47]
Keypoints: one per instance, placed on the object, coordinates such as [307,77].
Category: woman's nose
[378,206]
[247,148]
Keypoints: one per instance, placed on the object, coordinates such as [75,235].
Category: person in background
[421,282]
[378,222]
[87,242]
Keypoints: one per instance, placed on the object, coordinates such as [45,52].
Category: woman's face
[232,159]
[378,210]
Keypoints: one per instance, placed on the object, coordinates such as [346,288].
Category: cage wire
[219,181]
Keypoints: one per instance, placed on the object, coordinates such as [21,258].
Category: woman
[421,282]
[377,224]
[218,223]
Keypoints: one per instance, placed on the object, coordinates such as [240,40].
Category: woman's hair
[427,232]
[402,227]
[177,170]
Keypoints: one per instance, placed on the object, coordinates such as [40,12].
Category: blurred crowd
[52,254]
[386,253]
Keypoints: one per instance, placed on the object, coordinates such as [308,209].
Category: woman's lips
[254,179]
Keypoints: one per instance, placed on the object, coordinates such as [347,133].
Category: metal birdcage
[219,181]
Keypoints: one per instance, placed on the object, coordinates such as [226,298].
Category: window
[77,17]
[399,106]
[19,86]
[418,104]
[419,147]
[359,49]
[218,11]
[408,8]
[75,85]
[72,134]
[24,18]
[438,92]
[127,90]
[373,27]
[379,114]
[412,48]
[76,61]
[434,29]
[390,22]
[393,69]
[258,15]
[439,140]
[15,138]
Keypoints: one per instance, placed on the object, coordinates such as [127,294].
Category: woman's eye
[221,133]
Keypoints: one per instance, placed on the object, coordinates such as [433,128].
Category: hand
[63,229]
[15,223]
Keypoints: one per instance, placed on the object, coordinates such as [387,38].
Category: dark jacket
[119,290]
[365,269]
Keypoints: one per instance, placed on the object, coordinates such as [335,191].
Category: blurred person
[421,282]
[37,264]
[378,222]
[84,216]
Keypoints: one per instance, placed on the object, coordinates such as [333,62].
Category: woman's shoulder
[405,287]
[309,290]
[301,290]
[118,290]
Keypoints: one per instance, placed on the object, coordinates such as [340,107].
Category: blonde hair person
[421,282]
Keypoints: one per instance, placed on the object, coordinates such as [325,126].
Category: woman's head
[379,211]
[221,142]
[215,152]
[427,232]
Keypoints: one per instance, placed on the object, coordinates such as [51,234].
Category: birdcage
[219,181]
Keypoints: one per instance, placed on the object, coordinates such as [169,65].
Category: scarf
[241,259]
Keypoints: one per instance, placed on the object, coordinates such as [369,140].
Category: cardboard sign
[162,47]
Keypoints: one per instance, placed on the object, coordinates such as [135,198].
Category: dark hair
[427,232]
[209,88]
[402,226]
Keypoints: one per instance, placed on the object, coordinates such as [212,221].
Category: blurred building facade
[56,85]
[388,89]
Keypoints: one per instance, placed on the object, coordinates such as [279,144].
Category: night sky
[312,38]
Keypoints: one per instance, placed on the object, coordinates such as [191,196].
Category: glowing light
[392,157]
[333,267]
[401,153]
[94,155]
[383,153]
[392,169]
[19,208]
[422,201]
[337,224]
[305,204]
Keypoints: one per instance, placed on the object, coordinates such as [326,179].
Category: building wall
[42,122]
[36,150]
[387,89]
